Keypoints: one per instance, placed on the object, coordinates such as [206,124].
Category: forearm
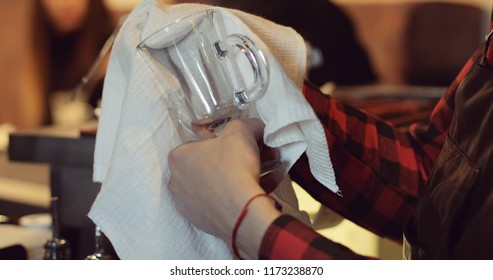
[386,150]
[379,168]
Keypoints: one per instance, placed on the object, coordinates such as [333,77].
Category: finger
[251,129]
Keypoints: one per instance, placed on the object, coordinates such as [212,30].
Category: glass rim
[203,12]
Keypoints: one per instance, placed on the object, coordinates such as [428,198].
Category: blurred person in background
[64,39]
[68,35]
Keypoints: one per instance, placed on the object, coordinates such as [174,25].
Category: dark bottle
[99,254]
[56,248]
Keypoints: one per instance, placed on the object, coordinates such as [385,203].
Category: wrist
[259,215]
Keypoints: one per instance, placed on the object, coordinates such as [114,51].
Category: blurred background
[398,42]
[393,58]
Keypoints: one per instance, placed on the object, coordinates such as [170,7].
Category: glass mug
[204,71]
[209,77]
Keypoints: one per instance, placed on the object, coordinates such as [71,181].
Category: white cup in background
[67,111]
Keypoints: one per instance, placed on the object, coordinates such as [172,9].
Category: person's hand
[211,180]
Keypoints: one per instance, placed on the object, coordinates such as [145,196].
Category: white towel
[135,134]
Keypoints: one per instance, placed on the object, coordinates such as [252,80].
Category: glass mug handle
[242,96]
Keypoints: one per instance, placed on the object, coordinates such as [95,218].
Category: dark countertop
[54,145]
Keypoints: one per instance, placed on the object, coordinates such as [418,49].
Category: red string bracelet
[240,220]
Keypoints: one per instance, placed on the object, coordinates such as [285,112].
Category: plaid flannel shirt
[380,169]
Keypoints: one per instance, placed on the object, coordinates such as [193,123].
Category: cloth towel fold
[136,133]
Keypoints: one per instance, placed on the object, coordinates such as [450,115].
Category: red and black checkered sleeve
[290,239]
[379,168]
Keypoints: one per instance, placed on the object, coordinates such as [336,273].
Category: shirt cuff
[289,239]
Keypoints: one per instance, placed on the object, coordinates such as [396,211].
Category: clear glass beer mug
[203,70]
[209,76]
